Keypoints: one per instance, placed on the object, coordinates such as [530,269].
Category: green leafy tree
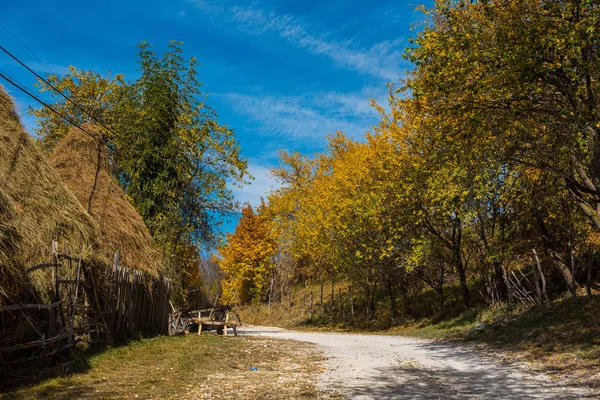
[168,150]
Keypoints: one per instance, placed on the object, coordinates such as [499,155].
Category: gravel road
[364,367]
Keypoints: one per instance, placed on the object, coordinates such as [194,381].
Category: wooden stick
[40,266]
[75,300]
[41,342]
[60,349]
[35,306]
[31,324]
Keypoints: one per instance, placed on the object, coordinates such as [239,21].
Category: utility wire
[127,142]
[58,91]
[27,48]
[20,87]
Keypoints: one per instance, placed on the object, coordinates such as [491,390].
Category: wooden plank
[25,306]
[217,323]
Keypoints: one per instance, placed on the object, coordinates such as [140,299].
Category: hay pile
[83,165]
[35,207]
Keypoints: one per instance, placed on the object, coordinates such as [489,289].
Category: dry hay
[35,208]
[83,164]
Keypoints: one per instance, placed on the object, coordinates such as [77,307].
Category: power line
[54,87]
[20,87]
[58,91]
[27,48]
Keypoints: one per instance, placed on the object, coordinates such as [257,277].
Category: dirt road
[364,367]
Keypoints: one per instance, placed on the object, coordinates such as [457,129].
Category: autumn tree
[247,258]
[481,177]
[516,82]
[95,99]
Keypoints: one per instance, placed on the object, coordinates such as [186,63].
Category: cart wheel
[220,331]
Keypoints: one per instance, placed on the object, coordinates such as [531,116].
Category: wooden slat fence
[136,305]
[93,303]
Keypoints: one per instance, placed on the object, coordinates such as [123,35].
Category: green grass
[142,367]
[561,339]
[181,367]
[453,328]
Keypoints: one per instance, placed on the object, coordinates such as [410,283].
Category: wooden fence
[87,302]
[136,305]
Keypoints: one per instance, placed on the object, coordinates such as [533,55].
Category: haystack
[35,208]
[83,164]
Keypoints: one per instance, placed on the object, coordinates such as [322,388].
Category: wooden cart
[219,319]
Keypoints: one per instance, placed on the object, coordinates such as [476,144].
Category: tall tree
[168,150]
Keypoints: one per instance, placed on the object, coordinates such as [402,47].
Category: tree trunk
[372,302]
[441,286]
[564,269]
[462,275]
[351,302]
[321,302]
[500,284]
[342,304]
[392,299]
[367,289]
[332,293]
[573,283]
[282,292]
[588,285]
[538,265]
[271,291]
[304,298]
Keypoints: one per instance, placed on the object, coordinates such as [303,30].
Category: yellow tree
[346,218]
[93,96]
[513,83]
[246,258]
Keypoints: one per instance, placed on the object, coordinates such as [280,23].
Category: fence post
[351,301]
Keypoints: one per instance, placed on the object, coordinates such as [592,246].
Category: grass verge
[187,367]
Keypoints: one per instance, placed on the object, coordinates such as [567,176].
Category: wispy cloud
[309,116]
[262,184]
[382,60]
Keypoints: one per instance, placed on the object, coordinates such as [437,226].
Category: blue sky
[282,74]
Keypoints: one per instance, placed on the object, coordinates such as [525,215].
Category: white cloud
[382,60]
[262,184]
[309,116]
